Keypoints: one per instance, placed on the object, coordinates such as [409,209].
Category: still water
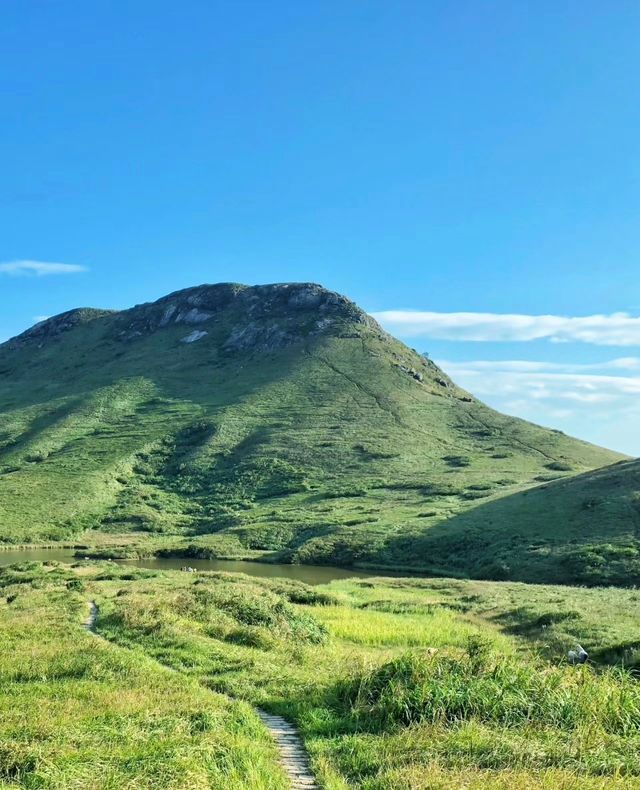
[311,574]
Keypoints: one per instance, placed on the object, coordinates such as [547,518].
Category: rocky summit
[275,421]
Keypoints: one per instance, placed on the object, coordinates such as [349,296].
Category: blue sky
[444,158]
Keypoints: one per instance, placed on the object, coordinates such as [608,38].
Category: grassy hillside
[77,712]
[581,530]
[393,683]
[275,419]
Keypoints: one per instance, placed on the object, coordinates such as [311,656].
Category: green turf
[295,429]
[596,516]
[77,712]
[393,683]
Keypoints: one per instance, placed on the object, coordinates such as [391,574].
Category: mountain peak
[259,317]
[277,418]
[276,297]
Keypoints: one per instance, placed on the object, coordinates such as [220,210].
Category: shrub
[442,688]
[559,466]
[37,457]
[457,460]
[252,605]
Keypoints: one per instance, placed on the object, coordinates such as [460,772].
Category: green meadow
[393,683]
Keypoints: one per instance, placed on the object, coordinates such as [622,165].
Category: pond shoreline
[84,552]
[164,558]
[309,574]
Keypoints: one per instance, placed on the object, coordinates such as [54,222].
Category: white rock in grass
[196,335]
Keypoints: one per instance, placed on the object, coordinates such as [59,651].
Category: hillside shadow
[581,529]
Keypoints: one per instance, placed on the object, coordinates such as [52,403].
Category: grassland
[77,712]
[295,430]
[393,683]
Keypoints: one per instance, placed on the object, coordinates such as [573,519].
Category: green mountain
[278,419]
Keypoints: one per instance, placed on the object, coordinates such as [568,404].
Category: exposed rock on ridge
[202,303]
[261,318]
[57,325]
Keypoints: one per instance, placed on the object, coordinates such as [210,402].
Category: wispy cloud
[490,378]
[532,366]
[617,329]
[38,319]
[588,400]
[39,268]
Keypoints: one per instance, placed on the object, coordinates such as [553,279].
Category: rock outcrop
[59,324]
[243,318]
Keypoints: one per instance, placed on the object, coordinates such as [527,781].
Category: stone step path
[90,620]
[293,756]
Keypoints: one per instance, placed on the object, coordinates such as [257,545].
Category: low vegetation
[393,683]
[77,712]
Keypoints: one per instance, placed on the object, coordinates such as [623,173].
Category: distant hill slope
[276,418]
[580,530]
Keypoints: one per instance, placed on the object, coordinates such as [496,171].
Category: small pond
[311,574]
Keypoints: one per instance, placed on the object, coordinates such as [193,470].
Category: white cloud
[586,400]
[617,329]
[534,366]
[541,380]
[39,268]
[38,319]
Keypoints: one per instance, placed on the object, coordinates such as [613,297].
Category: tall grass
[410,685]
[77,712]
[496,689]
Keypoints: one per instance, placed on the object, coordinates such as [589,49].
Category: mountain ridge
[199,304]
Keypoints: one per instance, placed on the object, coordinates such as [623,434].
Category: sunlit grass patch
[385,629]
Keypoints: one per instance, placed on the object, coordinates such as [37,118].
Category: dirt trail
[293,756]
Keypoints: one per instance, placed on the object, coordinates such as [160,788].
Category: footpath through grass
[77,712]
[393,683]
